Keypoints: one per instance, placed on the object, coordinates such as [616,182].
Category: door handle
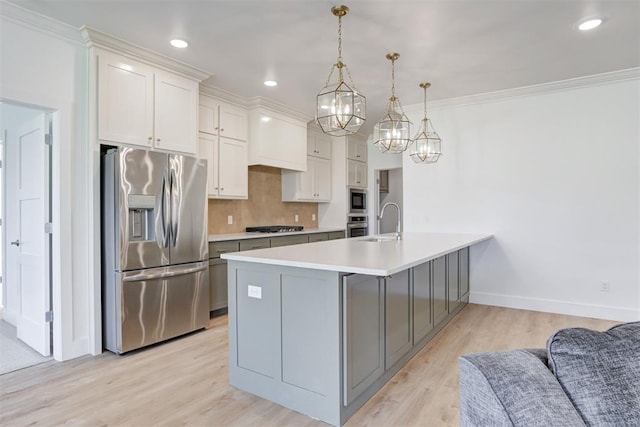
[16,243]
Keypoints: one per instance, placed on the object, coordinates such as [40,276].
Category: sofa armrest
[512,388]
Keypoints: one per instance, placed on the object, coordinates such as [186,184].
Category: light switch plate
[230,219]
[313,217]
[297,218]
[255,292]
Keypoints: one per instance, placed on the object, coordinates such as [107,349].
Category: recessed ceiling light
[270,83]
[180,44]
[590,24]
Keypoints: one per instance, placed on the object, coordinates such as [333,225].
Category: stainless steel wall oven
[357,226]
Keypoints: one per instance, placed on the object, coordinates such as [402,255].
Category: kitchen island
[319,328]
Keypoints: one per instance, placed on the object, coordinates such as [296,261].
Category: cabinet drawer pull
[150,138]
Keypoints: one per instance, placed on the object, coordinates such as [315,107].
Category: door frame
[62,341]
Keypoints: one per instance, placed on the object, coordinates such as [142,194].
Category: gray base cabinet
[217,277]
[463,274]
[363,339]
[398,339]
[321,342]
[453,288]
[422,312]
[439,280]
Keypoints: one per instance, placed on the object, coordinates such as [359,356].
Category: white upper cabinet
[277,140]
[356,174]
[223,143]
[314,185]
[356,149]
[318,144]
[218,118]
[144,106]
[227,173]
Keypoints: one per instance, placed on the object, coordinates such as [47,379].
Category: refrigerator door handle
[174,208]
[164,274]
[163,212]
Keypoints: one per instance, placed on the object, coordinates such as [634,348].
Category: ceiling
[463,47]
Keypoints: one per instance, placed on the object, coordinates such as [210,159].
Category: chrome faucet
[398,223]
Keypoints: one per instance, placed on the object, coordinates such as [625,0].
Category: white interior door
[31,246]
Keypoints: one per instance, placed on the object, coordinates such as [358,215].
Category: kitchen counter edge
[333,255]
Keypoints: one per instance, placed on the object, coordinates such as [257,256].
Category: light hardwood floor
[185,381]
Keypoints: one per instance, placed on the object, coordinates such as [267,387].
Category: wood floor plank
[185,381]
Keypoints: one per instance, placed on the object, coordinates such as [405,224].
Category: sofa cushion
[600,372]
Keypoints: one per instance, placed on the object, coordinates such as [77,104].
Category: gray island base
[320,328]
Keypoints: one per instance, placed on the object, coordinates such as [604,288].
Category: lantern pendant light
[340,108]
[392,134]
[427,143]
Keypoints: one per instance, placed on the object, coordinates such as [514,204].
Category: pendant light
[340,108]
[392,134]
[427,143]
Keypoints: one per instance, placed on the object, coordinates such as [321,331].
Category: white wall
[555,178]
[45,65]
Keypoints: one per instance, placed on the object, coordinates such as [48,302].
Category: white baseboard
[619,314]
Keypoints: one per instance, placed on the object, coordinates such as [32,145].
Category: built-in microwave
[357,201]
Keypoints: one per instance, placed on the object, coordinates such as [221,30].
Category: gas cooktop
[275,228]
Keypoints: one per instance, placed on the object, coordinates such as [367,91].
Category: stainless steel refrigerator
[155,277]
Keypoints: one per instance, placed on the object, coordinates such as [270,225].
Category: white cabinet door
[233,122]
[125,101]
[356,149]
[356,174]
[176,99]
[232,171]
[318,145]
[208,150]
[323,180]
[208,115]
[306,181]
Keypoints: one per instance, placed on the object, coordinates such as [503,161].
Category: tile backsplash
[263,207]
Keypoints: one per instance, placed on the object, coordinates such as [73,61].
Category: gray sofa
[583,377]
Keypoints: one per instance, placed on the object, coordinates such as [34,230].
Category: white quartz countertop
[257,235]
[357,255]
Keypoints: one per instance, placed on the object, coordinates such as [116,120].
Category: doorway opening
[388,189]
[25,233]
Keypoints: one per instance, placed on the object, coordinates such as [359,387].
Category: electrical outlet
[230,219]
[605,286]
[297,218]
[313,217]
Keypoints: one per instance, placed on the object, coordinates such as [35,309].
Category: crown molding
[254,102]
[223,95]
[40,23]
[559,86]
[95,38]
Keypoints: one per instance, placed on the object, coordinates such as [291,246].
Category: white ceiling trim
[559,86]
[40,23]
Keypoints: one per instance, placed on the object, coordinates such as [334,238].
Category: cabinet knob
[221,129]
[221,188]
[150,138]
[158,140]
[215,188]
[215,128]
